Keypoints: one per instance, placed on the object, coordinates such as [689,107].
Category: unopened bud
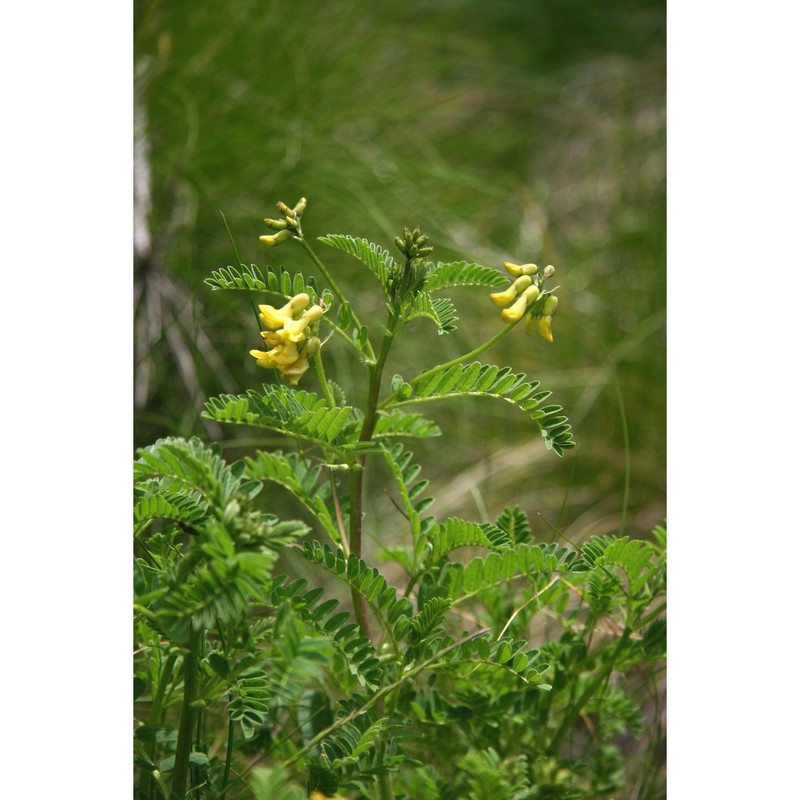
[545,329]
[501,299]
[531,323]
[312,346]
[548,271]
[550,305]
[520,269]
[285,210]
[298,302]
[275,239]
[515,312]
[275,224]
[529,296]
[300,207]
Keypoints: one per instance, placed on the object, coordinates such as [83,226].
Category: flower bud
[530,294]
[300,207]
[548,271]
[550,305]
[531,323]
[501,299]
[312,346]
[298,302]
[275,224]
[545,330]
[285,210]
[516,270]
[275,239]
[515,312]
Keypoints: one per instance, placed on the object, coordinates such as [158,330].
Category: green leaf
[293,412]
[375,257]
[455,533]
[483,380]
[249,279]
[399,423]
[514,523]
[462,273]
[440,310]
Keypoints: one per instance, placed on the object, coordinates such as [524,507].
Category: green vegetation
[308,621]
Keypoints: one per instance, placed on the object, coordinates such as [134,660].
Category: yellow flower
[274,318]
[550,305]
[295,327]
[515,270]
[501,299]
[545,330]
[296,370]
[515,312]
[275,238]
[285,334]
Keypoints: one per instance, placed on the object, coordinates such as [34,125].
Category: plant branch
[332,283]
[183,748]
[460,360]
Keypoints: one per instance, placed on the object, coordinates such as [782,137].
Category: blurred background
[510,130]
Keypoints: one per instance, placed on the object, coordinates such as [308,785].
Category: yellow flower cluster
[525,290]
[286,335]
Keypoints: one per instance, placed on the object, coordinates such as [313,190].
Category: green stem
[332,283]
[356,488]
[381,694]
[466,357]
[228,758]
[576,707]
[357,473]
[183,748]
[146,779]
[323,381]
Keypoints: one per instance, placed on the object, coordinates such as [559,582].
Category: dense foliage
[277,657]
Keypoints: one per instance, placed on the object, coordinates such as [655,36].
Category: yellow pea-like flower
[274,338]
[515,312]
[263,359]
[295,328]
[501,299]
[293,372]
[274,318]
